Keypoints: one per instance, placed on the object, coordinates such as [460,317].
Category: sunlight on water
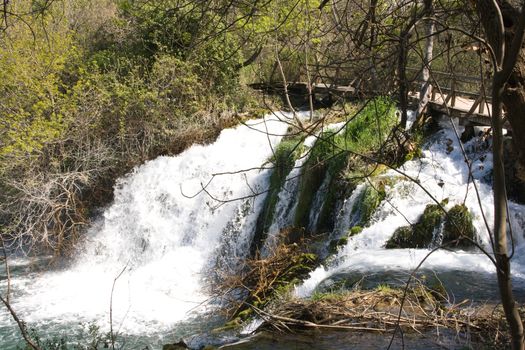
[165,241]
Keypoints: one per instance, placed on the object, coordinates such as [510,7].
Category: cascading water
[172,229]
[443,172]
[170,226]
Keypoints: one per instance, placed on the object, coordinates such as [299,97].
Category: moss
[372,197]
[245,314]
[402,238]
[336,192]
[285,155]
[368,202]
[458,226]
[355,230]
[365,133]
[429,221]
[314,172]
[336,243]
[419,235]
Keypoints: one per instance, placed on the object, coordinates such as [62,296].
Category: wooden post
[453,88]
[482,105]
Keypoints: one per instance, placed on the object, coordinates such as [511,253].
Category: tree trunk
[504,28]
[513,96]
[426,88]
[401,73]
[500,221]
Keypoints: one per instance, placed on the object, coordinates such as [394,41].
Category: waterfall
[175,222]
[285,208]
[178,223]
[443,172]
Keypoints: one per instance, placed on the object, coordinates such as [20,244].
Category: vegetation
[336,155]
[87,95]
[375,310]
[263,280]
[286,153]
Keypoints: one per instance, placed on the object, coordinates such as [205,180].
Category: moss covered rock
[419,235]
[402,238]
[372,197]
[459,227]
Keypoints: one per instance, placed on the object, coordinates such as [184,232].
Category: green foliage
[371,198]
[367,131]
[86,95]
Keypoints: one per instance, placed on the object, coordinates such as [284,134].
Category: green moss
[314,172]
[245,314]
[365,132]
[372,197]
[283,160]
[458,226]
[336,192]
[368,202]
[402,238]
[429,221]
[355,230]
[336,243]
[419,235]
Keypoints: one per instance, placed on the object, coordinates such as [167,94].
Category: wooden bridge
[455,96]
[464,97]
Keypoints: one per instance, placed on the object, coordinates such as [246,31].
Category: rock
[176,346]
[419,235]
[468,134]
[458,226]
[336,243]
[401,238]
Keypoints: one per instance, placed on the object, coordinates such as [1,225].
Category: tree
[505,29]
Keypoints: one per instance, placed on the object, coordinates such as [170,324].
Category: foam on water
[165,232]
[443,172]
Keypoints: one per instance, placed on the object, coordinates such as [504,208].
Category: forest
[262,174]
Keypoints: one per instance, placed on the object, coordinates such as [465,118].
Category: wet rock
[468,134]
[402,238]
[450,148]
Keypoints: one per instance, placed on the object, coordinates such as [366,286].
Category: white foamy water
[443,172]
[169,229]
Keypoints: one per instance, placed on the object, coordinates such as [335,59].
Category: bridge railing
[451,86]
